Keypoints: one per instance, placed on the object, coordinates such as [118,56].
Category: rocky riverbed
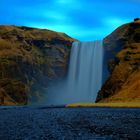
[44,123]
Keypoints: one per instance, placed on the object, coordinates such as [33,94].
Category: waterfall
[85,70]
[84,75]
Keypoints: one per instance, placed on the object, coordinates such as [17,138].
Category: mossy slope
[30,59]
[122,55]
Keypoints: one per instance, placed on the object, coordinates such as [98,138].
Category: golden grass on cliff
[113,104]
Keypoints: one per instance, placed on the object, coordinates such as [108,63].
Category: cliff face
[122,55]
[30,59]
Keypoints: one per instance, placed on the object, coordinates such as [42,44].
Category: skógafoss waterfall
[84,75]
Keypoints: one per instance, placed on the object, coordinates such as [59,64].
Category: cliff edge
[122,55]
[30,59]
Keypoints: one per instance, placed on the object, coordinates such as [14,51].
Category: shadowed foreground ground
[31,123]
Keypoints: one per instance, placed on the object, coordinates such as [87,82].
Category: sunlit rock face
[30,59]
[122,55]
[84,75]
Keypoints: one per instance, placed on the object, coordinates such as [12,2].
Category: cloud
[65,1]
[82,19]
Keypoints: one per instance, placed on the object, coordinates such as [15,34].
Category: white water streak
[84,75]
[85,71]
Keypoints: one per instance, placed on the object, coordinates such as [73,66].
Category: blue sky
[85,20]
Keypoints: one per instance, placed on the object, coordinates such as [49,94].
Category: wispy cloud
[82,19]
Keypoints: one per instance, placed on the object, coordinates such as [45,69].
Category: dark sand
[42,123]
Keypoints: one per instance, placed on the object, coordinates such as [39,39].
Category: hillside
[30,59]
[122,55]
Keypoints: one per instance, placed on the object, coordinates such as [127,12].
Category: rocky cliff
[122,55]
[30,59]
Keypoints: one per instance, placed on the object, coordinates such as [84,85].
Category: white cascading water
[85,71]
[84,75]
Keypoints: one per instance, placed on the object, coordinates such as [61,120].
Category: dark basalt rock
[136,19]
[26,28]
